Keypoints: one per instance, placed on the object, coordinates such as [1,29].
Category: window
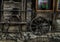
[58,5]
[44,4]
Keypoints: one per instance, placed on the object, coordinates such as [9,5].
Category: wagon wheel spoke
[39,26]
